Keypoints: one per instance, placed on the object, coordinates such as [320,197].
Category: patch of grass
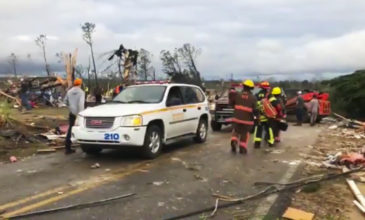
[311,188]
[5,111]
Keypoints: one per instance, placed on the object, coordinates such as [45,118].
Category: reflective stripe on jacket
[245,107]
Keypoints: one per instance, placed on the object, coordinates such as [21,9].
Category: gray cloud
[286,37]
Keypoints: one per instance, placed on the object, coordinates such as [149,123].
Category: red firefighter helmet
[264,85]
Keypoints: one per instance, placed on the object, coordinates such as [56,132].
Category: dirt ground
[31,123]
[330,199]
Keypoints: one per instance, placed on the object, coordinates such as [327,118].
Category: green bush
[348,94]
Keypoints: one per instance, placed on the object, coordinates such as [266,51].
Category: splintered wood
[296,214]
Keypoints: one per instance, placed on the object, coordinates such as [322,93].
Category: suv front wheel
[91,149]
[202,131]
[152,142]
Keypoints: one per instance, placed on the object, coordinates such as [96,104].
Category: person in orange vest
[243,117]
[117,90]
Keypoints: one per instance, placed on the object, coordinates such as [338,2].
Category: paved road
[181,180]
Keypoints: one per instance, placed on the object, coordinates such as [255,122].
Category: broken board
[296,214]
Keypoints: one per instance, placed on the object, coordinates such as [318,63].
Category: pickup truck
[323,98]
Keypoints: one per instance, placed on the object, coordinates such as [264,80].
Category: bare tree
[88,29]
[144,64]
[180,64]
[171,64]
[189,54]
[41,42]
[13,61]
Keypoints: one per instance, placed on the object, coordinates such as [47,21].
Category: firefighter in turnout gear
[243,118]
[277,104]
[263,123]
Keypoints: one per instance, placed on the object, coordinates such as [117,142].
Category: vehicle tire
[202,131]
[216,126]
[152,142]
[91,149]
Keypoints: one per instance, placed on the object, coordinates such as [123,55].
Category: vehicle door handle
[184,110]
[199,108]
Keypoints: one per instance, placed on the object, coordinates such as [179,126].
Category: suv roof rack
[152,82]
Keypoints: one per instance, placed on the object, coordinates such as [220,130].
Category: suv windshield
[141,94]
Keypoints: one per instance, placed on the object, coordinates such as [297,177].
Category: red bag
[269,110]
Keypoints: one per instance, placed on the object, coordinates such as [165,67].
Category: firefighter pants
[275,128]
[259,128]
[241,134]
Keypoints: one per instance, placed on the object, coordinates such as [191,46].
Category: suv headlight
[79,120]
[212,106]
[132,121]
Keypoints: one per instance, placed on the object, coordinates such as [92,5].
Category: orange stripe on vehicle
[171,109]
[243,108]
[235,120]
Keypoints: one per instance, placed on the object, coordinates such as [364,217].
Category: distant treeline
[348,94]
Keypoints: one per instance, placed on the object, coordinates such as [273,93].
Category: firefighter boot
[234,146]
[243,150]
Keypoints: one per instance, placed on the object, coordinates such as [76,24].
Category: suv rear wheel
[202,131]
[91,149]
[152,142]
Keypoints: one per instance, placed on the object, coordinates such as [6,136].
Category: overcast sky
[294,38]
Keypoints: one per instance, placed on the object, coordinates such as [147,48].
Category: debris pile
[339,148]
[39,91]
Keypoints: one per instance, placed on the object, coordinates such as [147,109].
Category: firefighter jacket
[259,96]
[276,103]
[245,108]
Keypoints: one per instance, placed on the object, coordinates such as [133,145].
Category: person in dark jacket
[299,109]
[243,117]
[24,94]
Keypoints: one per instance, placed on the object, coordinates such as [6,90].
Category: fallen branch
[349,120]
[10,97]
[311,178]
[266,192]
[77,206]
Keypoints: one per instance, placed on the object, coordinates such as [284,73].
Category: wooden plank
[296,214]
[46,150]
[358,205]
[355,190]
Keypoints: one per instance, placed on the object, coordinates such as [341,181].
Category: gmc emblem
[96,122]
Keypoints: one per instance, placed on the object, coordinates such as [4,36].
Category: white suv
[147,115]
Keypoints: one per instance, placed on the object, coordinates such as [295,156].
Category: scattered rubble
[340,146]
[95,166]
[158,183]
[12,159]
